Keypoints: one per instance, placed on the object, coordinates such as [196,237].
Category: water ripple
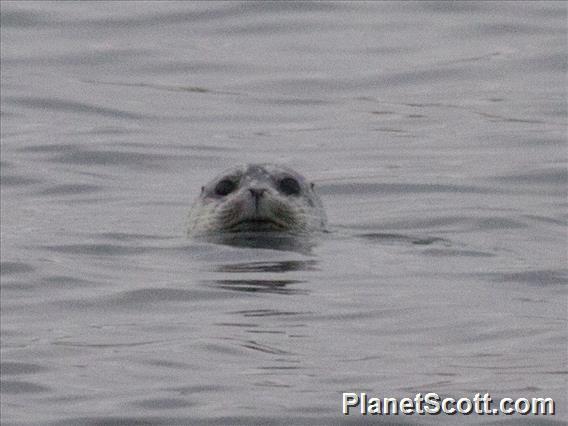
[260,286]
[554,176]
[10,268]
[96,249]
[17,387]
[145,297]
[400,188]
[16,368]
[281,266]
[52,104]
[69,189]
[538,278]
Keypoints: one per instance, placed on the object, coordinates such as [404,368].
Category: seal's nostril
[257,192]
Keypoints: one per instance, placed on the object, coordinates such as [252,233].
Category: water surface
[435,131]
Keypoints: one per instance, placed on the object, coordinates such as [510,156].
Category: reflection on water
[260,286]
[265,240]
[279,266]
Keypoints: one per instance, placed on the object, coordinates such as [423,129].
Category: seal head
[257,198]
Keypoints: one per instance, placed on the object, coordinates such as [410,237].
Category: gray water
[435,132]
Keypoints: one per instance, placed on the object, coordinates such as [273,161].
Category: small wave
[53,104]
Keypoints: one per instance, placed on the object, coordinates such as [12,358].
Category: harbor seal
[257,198]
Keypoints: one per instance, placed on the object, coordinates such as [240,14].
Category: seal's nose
[257,192]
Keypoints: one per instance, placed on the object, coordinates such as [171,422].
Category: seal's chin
[256,225]
[251,214]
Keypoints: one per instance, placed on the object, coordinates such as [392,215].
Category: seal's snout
[257,192]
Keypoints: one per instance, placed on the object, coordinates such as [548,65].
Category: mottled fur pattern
[275,209]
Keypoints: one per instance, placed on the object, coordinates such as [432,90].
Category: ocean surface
[435,133]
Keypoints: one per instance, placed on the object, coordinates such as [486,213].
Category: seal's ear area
[202,189]
[312,185]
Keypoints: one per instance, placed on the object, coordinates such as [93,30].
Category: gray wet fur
[258,202]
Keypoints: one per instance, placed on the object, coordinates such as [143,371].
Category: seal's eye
[225,187]
[289,186]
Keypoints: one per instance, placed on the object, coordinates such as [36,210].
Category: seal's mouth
[256,225]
